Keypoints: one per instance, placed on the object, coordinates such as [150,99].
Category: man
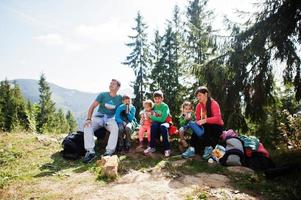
[105,117]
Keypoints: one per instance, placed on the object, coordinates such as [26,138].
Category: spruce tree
[8,109]
[165,73]
[31,110]
[275,35]
[138,60]
[20,106]
[61,124]
[45,116]
[71,121]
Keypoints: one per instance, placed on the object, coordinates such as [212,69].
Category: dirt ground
[153,184]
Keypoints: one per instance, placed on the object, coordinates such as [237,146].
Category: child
[159,125]
[186,116]
[145,121]
[125,118]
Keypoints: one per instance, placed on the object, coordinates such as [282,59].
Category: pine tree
[12,108]
[199,41]
[8,110]
[165,73]
[45,116]
[31,110]
[20,107]
[71,121]
[138,60]
[275,35]
[61,124]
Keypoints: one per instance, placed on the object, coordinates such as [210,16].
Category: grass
[25,160]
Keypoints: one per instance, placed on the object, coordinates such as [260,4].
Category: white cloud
[112,30]
[54,39]
[51,39]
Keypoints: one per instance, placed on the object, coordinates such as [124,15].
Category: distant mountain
[76,101]
[68,99]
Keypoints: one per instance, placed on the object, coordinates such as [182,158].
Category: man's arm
[91,109]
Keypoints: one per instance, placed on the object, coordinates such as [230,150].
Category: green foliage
[12,108]
[138,60]
[45,116]
[71,122]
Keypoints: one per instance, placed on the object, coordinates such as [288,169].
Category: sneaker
[167,153]
[89,157]
[149,150]
[107,153]
[207,152]
[190,152]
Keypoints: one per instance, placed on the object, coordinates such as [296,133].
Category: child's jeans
[158,128]
[197,129]
[124,134]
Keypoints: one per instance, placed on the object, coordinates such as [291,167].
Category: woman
[208,125]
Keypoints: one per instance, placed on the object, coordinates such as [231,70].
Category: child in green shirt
[159,124]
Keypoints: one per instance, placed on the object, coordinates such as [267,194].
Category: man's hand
[87,123]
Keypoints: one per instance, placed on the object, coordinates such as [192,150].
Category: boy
[159,125]
[125,118]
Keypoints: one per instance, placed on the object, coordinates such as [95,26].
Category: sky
[81,44]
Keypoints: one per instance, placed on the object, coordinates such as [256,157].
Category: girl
[186,116]
[145,121]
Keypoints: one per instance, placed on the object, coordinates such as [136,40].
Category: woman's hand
[201,122]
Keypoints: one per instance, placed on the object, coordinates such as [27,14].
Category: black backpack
[73,146]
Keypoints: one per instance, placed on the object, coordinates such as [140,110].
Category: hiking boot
[167,153]
[89,157]
[207,152]
[149,150]
[190,152]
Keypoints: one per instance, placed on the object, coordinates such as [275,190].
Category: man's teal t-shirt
[107,103]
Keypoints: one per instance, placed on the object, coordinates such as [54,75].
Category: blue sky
[81,44]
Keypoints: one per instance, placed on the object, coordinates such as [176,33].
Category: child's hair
[148,102]
[186,103]
[158,93]
[124,97]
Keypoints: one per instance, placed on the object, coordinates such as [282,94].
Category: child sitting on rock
[186,116]
[125,118]
[145,122]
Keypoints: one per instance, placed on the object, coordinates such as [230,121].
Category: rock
[240,169]
[110,165]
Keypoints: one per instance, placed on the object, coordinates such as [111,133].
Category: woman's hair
[148,102]
[204,90]
[184,104]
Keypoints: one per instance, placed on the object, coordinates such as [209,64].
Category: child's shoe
[149,150]
[167,153]
[190,152]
